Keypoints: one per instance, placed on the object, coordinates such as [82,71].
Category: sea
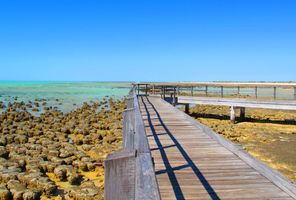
[66,96]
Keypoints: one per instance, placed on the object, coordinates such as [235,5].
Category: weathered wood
[193,162]
[238,102]
[232,113]
[225,84]
[256,92]
[206,90]
[238,85]
[174,97]
[130,174]
[145,189]
[222,92]
[128,129]
[120,171]
[274,92]
[140,142]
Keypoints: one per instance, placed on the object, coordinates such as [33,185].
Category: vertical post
[206,90]
[242,112]
[222,92]
[146,89]
[256,92]
[232,113]
[294,93]
[174,97]
[153,88]
[274,92]
[178,90]
[192,91]
[138,89]
[164,90]
[187,108]
[238,91]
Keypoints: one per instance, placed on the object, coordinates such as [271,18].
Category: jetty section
[169,155]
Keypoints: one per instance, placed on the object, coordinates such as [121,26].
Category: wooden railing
[222,89]
[129,174]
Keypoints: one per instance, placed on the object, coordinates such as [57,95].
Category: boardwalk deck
[191,164]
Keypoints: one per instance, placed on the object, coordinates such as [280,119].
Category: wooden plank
[225,84]
[130,174]
[120,175]
[140,142]
[232,113]
[272,175]
[146,184]
[279,105]
[191,163]
[128,129]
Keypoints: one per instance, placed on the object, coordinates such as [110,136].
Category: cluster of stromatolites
[54,155]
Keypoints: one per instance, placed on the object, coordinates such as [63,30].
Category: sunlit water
[64,95]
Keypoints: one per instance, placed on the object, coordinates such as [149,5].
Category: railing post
[238,91]
[206,90]
[256,92]
[192,91]
[274,92]
[222,92]
[187,108]
[146,89]
[294,93]
[242,113]
[232,113]
[174,97]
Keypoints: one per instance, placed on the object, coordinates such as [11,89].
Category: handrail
[129,174]
[191,88]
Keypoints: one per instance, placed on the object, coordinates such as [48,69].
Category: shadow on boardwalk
[149,108]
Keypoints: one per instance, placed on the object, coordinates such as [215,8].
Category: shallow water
[64,95]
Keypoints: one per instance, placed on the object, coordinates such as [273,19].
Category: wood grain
[193,162]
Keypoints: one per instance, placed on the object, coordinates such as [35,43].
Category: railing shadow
[168,168]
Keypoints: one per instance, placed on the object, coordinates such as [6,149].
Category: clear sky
[151,40]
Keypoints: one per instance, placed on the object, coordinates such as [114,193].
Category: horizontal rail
[224,84]
[219,88]
[247,103]
[130,174]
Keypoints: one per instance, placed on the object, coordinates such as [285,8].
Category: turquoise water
[70,95]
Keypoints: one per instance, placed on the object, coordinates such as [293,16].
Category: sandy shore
[57,156]
[268,135]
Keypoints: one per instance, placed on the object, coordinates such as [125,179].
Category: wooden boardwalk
[190,163]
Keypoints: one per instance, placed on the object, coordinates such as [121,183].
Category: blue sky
[152,40]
